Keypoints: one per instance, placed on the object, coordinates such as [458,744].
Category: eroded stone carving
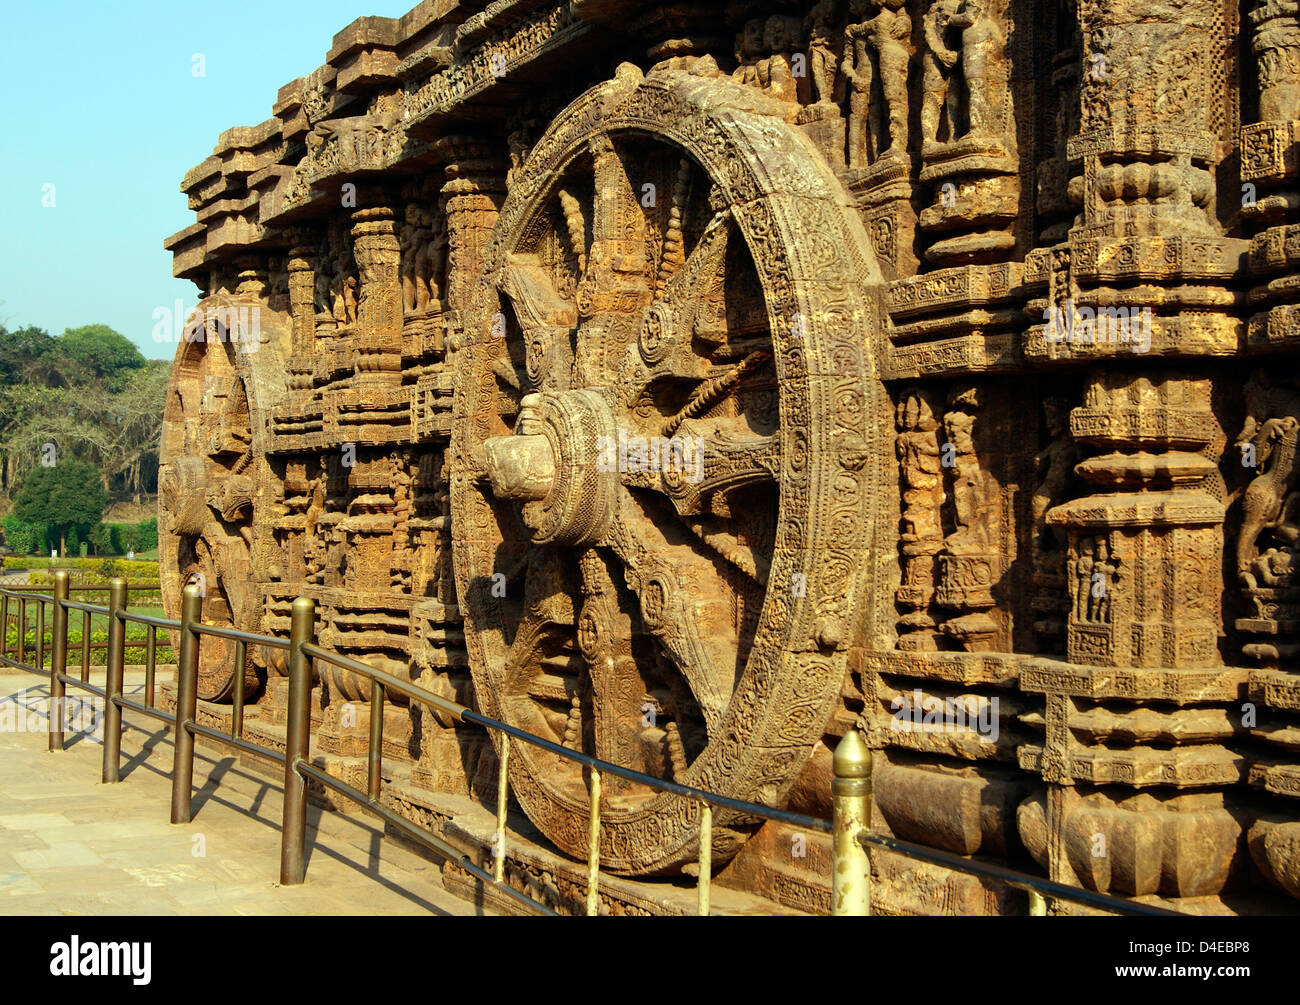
[834,361]
[876,56]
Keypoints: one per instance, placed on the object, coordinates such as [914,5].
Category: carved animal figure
[1265,502]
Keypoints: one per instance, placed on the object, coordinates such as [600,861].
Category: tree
[63,495]
[136,414]
[107,354]
[101,538]
[88,392]
[21,351]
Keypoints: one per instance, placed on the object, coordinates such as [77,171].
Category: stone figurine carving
[983,67]
[876,55]
[823,50]
[415,241]
[939,91]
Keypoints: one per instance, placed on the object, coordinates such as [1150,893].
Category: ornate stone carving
[693,418]
[919,433]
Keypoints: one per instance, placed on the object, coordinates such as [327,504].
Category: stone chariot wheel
[668,429]
[210,454]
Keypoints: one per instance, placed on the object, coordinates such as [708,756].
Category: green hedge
[23,538]
[86,570]
[98,657]
[101,539]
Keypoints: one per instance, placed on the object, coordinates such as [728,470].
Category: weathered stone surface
[921,367]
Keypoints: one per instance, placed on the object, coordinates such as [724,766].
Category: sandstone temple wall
[981,319]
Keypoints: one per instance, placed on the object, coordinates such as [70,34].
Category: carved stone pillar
[474,192]
[303,266]
[1150,87]
[1156,120]
[1270,171]
[1270,174]
[1275,41]
[1145,553]
[379,305]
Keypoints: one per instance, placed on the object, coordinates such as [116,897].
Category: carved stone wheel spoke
[666,430]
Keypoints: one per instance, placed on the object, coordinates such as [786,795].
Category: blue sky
[100,101]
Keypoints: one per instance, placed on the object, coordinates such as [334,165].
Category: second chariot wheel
[211,453]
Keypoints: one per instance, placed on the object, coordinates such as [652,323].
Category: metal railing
[851,787]
[22,595]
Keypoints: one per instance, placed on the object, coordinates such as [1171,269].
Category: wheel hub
[555,463]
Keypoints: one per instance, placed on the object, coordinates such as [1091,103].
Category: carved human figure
[1272,569]
[322,287]
[351,298]
[1101,583]
[749,50]
[857,70]
[1083,578]
[820,28]
[414,244]
[518,145]
[780,39]
[983,60]
[919,457]
[1053,465]
[343,290]
[313,545]
[972,489]
[938,60]
[336,293]
[876,50]
[434,260]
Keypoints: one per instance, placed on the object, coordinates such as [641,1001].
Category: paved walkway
[71,845]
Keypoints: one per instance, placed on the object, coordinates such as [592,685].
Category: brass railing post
[22,630]
[1037,904]
[4,631]
[85,647]
[851,796]
[293,832]
[237,709]
[503,802]
[150,663]
[113,679]
[706,861]
[40,634]
[187,693]
[58,659]
[375,762]
[593,848]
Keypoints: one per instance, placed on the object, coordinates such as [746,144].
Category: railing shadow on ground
[224,767]
[851,787]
